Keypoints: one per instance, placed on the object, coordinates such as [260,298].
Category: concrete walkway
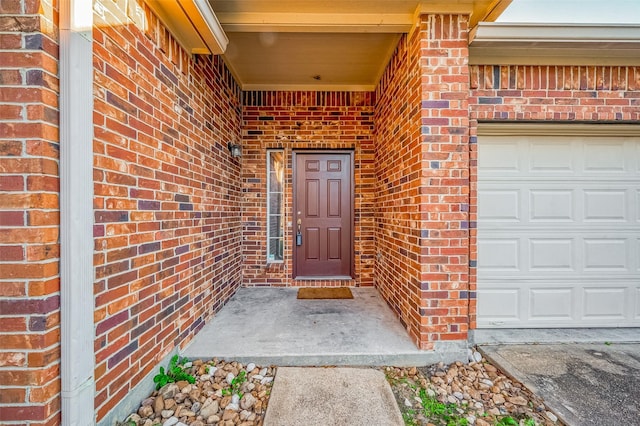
[271,326]
[331,396]
[584,384]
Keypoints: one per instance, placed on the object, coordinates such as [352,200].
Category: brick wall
[422,172]
[541,93]
[29,181]
[167,197]
[304,120]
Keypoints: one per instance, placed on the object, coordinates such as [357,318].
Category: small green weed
[510,421]
[236,383]
[409,417]
[444,414]
[174,373]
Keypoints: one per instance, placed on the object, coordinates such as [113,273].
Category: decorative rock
[264,371]
[229,415]
[233,407]
[195,407]
[148,401]
[170,421]
[225,401]
[498,399]
[180,397]
[517,400]
[266,380]
[158,405]
[209,409]
[213,419]
[187,365]
[194,394]
[251,366]
[169,404]
[169,391]
[551,416]
[134,418]
[145,411]
[205,377]
[167,413]
[229,378]
[235,398]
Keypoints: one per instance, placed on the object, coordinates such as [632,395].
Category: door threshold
[325,278]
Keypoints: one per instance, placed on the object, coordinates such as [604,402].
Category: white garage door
[558,231]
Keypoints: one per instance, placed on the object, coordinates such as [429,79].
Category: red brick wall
[422,173]
[541,93]
[304,120]
[167,198]
[29,216]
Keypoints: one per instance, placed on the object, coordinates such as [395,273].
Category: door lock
[299,233]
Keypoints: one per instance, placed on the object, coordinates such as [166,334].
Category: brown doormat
[325,293]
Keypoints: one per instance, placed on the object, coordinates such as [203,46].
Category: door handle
[299,234]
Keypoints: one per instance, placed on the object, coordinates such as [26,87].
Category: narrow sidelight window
[275,206]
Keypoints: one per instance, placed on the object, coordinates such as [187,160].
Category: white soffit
[324,44]
[555,44]
[193,23]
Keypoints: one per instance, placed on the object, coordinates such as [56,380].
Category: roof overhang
[305,44]
[555,44]
[193,23]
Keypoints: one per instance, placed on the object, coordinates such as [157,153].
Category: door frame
[294,173]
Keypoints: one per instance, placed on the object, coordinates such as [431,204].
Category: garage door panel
[500,206]
[558,231]
[500,305]
[604,303]
[552,304]
[606,254]
[499,157]
[551,254]
[500,254]
[548,157]
[606,205]
[551,205]
[605,157]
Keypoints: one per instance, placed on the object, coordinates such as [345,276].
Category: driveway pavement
[584,384]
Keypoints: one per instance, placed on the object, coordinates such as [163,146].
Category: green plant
[445,414]
[507,421]
[510,421]
[174,373]
[236,383]
[409,417]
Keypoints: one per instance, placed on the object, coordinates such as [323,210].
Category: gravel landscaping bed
[232,394]
[460,394]
[224,393]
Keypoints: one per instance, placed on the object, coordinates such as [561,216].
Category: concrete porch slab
[331,396]
[270,326]
[584,384]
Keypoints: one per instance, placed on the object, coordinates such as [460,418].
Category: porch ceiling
[324,45]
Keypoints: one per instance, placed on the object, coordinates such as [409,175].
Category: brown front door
[323,207]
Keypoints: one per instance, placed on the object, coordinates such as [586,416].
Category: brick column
[444,253]
[29,219]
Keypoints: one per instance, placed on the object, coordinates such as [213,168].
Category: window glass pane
[275,206]
[274,182]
